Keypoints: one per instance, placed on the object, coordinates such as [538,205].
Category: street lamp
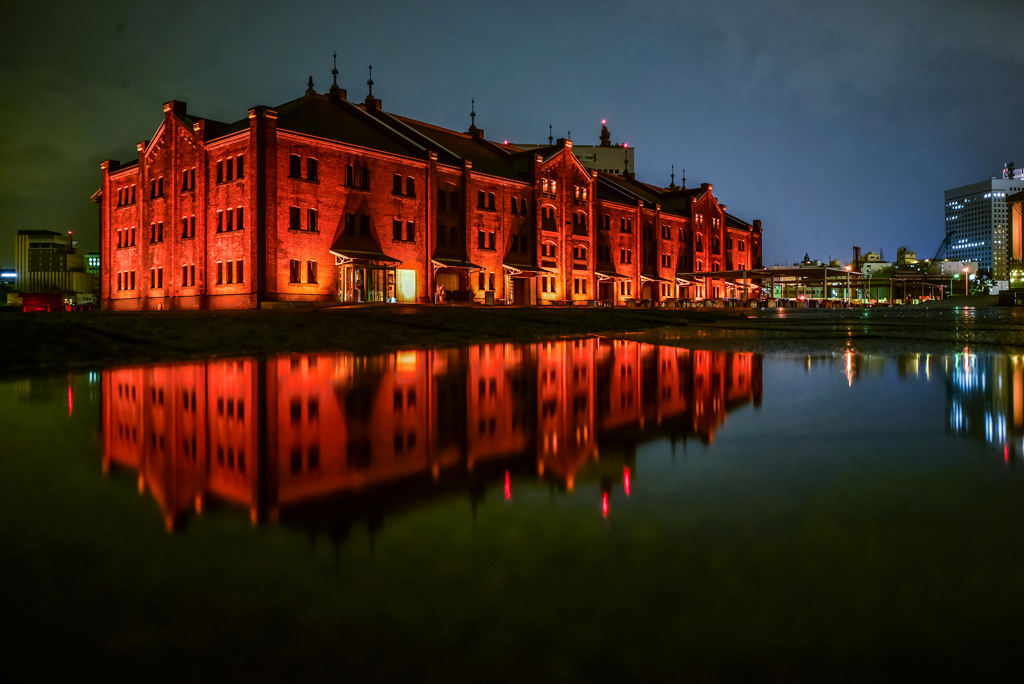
[848,269]
[967,280]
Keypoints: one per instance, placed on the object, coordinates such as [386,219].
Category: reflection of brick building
[272,435]
[322,199]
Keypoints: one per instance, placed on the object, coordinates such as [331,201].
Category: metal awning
[360,257]
[609,275]
[447,262]
[524,270]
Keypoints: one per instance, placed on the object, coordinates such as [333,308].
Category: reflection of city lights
[508,487]
[626,480]
[71,401]
[604,505]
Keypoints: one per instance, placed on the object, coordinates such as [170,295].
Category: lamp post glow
[848,269]
[967,280]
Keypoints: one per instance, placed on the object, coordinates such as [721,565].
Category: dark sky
[837,124]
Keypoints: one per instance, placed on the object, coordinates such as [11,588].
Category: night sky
[836,124]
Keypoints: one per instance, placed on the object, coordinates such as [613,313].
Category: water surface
[574,510]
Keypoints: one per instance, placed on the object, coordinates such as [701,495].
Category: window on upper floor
[295,166]
[156,187]
[312,169]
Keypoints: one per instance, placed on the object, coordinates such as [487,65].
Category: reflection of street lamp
[848,269]
[967,280]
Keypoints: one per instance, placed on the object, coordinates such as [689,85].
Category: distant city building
[46,262]
[871,268]
[905,257]
[976,223]
[607,158]
[92,263]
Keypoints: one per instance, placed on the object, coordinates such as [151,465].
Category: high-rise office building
[976,222]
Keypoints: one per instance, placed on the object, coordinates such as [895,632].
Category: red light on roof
[604,121]
[506,142]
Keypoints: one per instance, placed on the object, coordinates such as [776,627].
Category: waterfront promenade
[47,343]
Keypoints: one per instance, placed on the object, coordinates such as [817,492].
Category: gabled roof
[342,121]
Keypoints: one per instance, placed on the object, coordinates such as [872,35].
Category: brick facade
[324,200]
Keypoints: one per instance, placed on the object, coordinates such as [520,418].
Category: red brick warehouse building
[326,200]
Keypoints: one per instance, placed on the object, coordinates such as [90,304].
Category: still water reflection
[272,435]
[578,510]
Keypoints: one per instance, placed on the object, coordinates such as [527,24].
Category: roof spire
[472,116]
[568,135]
[672,185]
[683,186]
[551,140]
[309,87]
[334,71]
[369,82]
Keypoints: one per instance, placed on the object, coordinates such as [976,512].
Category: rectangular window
[239,271]
[396,229]
[220,171]
[239,166]
[480,281]
[220,221]
[131,280]
[454,199]
[160,277]
[229,170]
[294,219]
[311,272]
[490,201]
[119,280]
[229,272]
[238,219]
[229,220]
[295,166]
[410,186]
[312,169]
[366,178]
[184,227]
[490,240]
[410,231]
[481,199]
[293,271]
[350,224]
[184,180]
[480,238]
[350,175]
[311,220]
[396,186]
[220,272]
[490,281]
[184,275]
[192,275]
[118,237]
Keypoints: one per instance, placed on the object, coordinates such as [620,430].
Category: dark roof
[363,248]
[487,157]
[340,120]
